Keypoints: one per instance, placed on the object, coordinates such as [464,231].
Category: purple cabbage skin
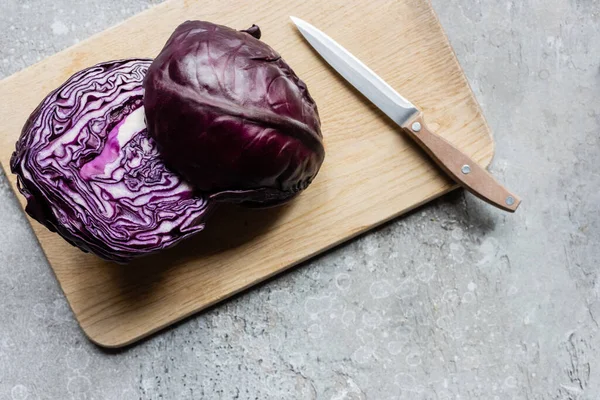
[90,171]
[231,116]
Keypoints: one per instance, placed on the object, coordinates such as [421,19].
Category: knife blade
[463,170]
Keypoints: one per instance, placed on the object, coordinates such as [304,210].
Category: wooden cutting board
[372,171]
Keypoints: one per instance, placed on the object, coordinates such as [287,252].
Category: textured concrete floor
[455,301]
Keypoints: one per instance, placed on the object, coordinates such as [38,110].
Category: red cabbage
[231,116]
[223,110]
[90,171]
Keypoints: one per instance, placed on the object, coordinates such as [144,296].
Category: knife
[459,166]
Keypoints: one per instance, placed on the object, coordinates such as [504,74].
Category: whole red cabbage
[90,171]
[231,116]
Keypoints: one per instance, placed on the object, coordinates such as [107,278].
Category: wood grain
[372,172]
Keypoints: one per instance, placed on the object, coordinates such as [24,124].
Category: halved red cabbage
[90,171]
[231,116]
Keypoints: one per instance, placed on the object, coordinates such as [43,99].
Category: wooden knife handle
[462,168]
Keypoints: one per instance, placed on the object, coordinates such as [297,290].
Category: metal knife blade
[451,159]
[378,91]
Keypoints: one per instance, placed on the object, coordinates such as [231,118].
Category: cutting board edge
[103,340]
[80,44]
[486,161]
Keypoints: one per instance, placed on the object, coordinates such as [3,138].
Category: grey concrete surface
[455,301]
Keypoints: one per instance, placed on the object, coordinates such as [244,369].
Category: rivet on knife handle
[463,169]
